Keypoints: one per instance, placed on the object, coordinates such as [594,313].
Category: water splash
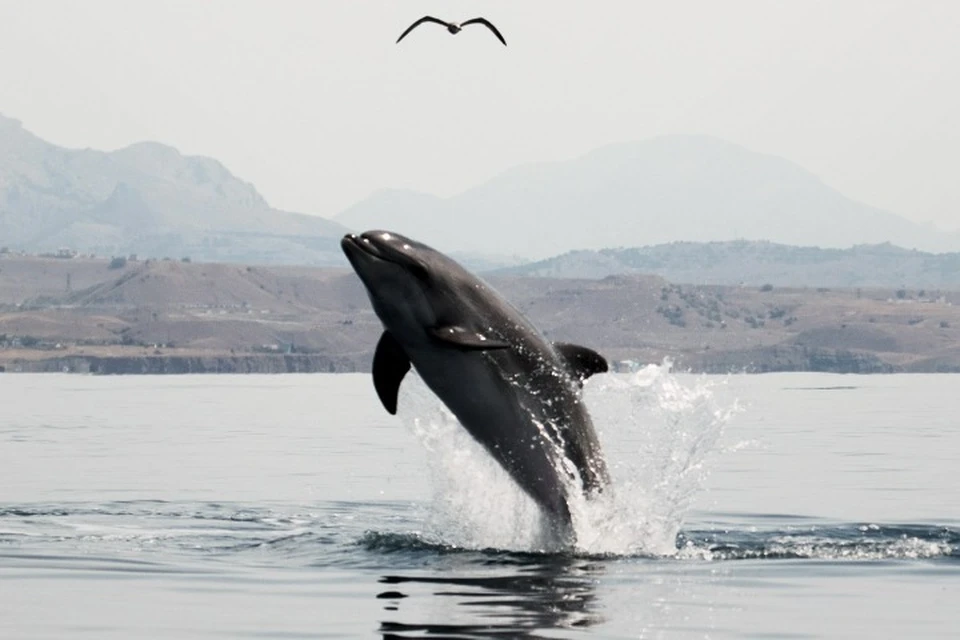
[475,504]
[664,430]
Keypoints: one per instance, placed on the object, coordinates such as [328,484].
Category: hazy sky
[314,103]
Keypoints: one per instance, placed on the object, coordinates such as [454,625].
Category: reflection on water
[490,593]
[559,593]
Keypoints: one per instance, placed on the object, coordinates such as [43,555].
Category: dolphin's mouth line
[370,248]
[383,252]
[363,245]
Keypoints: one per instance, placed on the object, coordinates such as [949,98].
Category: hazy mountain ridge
[146,198]
[149,199]
[758,263]
[661,190]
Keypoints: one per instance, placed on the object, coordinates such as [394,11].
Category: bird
[454,27]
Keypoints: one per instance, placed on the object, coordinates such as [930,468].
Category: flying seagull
[454,27]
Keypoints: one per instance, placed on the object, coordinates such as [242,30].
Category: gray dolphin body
[516,393]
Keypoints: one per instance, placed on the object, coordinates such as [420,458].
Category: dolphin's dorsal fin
[390,364]
[464,338]
[584,362]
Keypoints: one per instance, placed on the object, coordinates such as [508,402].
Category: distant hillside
[758,263]
[146,199]
[666,189]
[174,317]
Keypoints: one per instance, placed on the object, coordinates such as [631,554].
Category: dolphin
[515,392]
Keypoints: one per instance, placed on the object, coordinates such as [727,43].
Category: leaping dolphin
[516,393]
[454,27]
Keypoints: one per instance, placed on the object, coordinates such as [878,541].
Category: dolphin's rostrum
[515,392]
[454,27]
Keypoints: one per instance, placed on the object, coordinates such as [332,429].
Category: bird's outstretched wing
[419,22]
[485,23]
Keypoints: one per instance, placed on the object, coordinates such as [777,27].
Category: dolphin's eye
[420,272]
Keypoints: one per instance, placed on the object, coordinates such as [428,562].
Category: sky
[314,103]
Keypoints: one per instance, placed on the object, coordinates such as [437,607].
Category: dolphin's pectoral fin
[390,364]
[582,361]
[457,336]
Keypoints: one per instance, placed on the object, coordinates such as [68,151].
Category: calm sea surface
[293,506]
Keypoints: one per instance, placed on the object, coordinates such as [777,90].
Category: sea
[802,505]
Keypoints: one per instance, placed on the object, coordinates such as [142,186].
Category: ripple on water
[359,533]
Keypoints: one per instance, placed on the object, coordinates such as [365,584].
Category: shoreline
[194,362]
[174,317]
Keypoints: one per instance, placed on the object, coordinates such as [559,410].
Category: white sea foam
[664,430]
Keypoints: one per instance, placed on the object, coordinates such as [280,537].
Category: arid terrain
[165,316]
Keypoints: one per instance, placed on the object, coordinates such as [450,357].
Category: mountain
[147,199]
[151,200]
[758,263]
[666,189]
